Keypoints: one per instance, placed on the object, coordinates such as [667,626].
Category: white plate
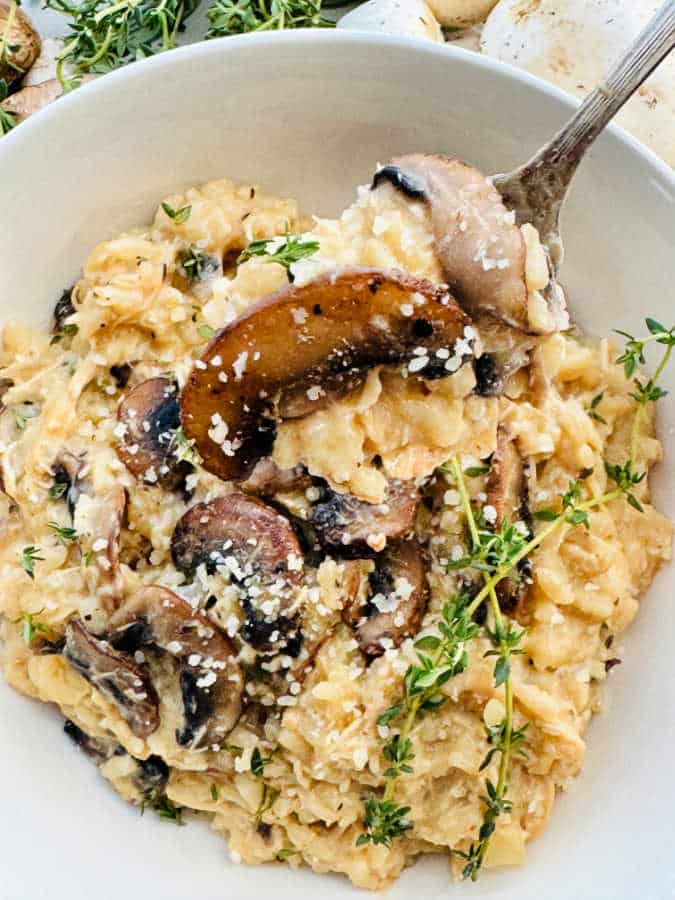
[310,114]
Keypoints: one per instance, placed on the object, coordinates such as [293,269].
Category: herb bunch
[227,17]
[107,34]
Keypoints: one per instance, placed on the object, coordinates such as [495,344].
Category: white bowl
[310,114]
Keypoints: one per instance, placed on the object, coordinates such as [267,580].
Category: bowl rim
[369,41]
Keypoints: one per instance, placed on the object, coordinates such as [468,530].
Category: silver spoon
[537,190]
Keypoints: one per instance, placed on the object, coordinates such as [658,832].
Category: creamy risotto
[226,524]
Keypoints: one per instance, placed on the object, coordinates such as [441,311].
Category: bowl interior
[310,115]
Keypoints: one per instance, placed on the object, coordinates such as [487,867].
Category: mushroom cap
[573,43]
[315,336]
[399,594]
[114,674]
[259,538]
[150,414]
[410,18]
[23,44]
[347,526]
[460,13]
[478,244]
[211,681]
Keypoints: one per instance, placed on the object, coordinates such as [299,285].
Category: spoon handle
[650,47]
[537,189]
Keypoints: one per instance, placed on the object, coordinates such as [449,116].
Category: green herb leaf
[228,17]
[64,534]
[57,490]
[179,216]
[30,627]
[106,34]
[291,249]
[27,559]
[205,331]
[476,471]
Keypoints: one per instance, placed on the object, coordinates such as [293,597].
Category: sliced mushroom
[63,309]
[267,479]
[312,336]
[507,493]
[98,749]
[505,352]
[211,682]
[98,521]
[399,594]
[66,470]
[479,245]
[151,418]
[260,551]
[115,675]
[151,774]
[350,527]
[20,43]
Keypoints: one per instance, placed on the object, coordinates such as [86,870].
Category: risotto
[245,475]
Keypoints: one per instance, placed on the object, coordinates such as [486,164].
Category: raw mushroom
[398,598]
[507,493]
[150,417]
[480,247]
[32,99]
[347,526]
[115,675]
[460,13]
[409,18]
[259,549]
[211,681]
[573,43]
[20,41]
[315,336]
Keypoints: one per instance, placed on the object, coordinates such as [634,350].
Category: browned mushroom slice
[150,416]
[211,681]
[259,549]
[115,675]
[351,527]
[398,598]
[102,517]
[267,479]
[151,774]
[478,242]
[312,336]
[507,494]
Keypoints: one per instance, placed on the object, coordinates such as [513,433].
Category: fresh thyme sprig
[269,794]
[182,448]
[63,533]
[593,408]
[505,639]
[228,17]
[7,119]
[496,555]
[178,216]
[440,658]
[163,806]
[30,627]
[107,34]
[27,559]
[293,247]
